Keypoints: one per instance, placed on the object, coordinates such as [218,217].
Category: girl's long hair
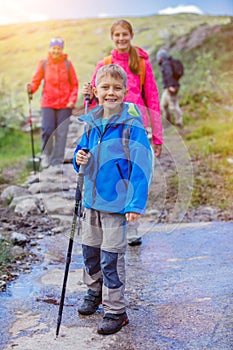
[133,53]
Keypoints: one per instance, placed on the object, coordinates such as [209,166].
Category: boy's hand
[132,217]
[82,157]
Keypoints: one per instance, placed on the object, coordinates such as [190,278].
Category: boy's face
[110,92]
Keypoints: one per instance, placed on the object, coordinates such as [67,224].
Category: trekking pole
[77,214]
[87,100]
[31,130]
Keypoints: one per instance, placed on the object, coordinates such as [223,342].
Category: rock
[17,252]
[27,207]
[2,285]
[46,187]
[13,191]
[19,199]
[18,238]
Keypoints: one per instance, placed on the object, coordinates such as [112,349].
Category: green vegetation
[5,255]
[207,101]
[206,88]
[15,152]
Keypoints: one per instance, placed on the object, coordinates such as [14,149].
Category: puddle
[41,286]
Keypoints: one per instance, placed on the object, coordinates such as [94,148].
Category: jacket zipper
[121,175]
[98,159]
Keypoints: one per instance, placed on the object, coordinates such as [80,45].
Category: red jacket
[60,83]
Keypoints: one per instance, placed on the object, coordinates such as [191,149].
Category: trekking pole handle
[88,96]
[83,166]
[30,96]
[29,92]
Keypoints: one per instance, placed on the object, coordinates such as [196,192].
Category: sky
[19,11]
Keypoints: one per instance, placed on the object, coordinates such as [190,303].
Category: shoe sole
[124,323]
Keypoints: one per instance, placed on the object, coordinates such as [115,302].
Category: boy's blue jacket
[112,183]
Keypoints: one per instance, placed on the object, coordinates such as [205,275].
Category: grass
[15,152]
[209,120]
[5,255]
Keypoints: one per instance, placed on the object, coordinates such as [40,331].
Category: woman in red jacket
[59,95]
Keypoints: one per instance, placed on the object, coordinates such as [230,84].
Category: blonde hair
[114,71]
[133,53]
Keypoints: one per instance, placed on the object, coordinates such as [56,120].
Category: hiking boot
[112,323]
[137,241]
[58,169]
[45,163]
[91,303]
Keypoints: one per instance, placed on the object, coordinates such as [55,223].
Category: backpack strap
[68,69]
[142,72]
[44,65]
[142,69]
[108,59]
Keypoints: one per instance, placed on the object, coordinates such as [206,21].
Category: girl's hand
[87,90]
[157,150]
[82,157]
[132,217]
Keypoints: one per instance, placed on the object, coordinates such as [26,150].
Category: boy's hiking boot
[91,303]
[112,323]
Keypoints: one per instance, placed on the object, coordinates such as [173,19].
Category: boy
[116,183]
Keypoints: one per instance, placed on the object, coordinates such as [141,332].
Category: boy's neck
[109,112]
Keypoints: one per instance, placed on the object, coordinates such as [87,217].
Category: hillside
[86,41]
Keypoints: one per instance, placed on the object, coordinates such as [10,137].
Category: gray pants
[104,245]
[55,124]
[170,105]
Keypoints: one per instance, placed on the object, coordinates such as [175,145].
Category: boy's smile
[110,92]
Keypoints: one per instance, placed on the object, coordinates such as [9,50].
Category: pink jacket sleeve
[153,104]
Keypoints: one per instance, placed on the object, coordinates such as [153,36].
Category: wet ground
[179,288]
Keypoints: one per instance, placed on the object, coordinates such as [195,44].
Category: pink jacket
[60,85]
[134,94]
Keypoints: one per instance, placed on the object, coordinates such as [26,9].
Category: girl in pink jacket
[128,56]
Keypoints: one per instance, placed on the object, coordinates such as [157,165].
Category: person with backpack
[142,90]
[115,192]
[59,95]
[172,70]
